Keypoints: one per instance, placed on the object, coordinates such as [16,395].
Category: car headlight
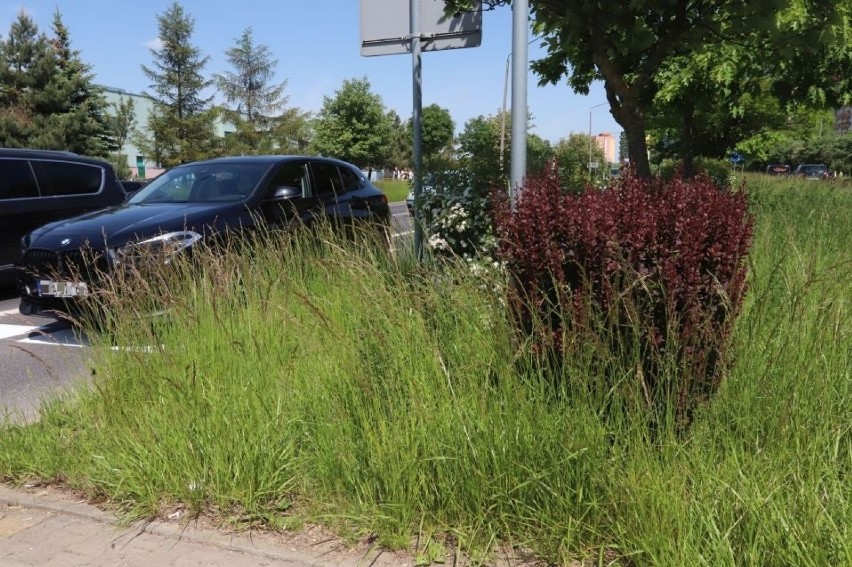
[159,249]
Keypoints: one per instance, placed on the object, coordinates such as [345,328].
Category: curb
[258,544]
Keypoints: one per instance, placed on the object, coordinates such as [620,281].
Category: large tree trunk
[628,112]
[687,149]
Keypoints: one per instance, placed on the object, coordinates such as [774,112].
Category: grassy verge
[395,189]
[319,391]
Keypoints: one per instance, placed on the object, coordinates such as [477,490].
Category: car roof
[29,153]
[267,159]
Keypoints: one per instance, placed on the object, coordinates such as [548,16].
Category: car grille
[74,264]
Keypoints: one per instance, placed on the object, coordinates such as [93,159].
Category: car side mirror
[284,193]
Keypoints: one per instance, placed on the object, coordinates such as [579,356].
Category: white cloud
[155,44]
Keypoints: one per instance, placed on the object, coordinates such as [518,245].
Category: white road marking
[8,331]
[64,337]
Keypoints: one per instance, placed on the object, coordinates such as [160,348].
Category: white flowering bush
[457,224]
[456,217]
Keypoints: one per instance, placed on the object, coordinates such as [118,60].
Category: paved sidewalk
[46,527]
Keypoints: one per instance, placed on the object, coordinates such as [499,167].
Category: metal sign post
[520,61]
[417,125]
[392,27]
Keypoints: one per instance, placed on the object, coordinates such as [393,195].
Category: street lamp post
[505,109]
[590,136]
[503,115]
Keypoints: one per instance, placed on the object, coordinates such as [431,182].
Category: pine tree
[253,103]
[74,112]
[48,97]
[26,65]
[181,124]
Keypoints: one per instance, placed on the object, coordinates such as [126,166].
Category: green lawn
[393,402]
[395,189]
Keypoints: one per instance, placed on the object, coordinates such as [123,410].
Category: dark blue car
[62,261]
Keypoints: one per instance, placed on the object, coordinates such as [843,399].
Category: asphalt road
[41,357]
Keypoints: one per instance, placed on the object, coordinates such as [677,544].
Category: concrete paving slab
[49,527]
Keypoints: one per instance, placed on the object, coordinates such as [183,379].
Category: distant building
[608,145]
[142,166]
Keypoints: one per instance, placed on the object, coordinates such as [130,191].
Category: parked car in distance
[63,261]
[811,171]
[41,186]
[777,169]
[131,187]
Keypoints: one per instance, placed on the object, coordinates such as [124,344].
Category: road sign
[385,27]
[736,158]
[593,165]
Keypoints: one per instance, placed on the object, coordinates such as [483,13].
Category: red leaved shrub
[660,262]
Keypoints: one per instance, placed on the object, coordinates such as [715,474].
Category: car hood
[116,226]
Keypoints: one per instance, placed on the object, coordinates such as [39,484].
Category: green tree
[479,150]
[438,131]
[539,154]
[625,44]
[292,132]
[122,123]
[711,99]
[71,113]
[572,159]
[352,126]
[26,66]
[181,123]
[253,102]
[48,98]
[399,156]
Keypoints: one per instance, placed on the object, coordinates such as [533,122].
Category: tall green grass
[316,379]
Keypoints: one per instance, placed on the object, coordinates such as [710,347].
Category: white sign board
[385,27]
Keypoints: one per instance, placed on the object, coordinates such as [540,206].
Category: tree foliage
[292,131]
[572,158]
[122,123]
[711,99]
[479,150]
[438,132]
[181,124]
[400,154]
[627,45]
[48,98]
[352,126]
[254,104]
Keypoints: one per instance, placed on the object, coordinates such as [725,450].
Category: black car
[191,202]
[131,187]
[778,169]
[40,186]
[811,171]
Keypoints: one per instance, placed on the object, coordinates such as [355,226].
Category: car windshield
[813,168]
[202,183]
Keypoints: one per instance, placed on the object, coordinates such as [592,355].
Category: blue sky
[317,44]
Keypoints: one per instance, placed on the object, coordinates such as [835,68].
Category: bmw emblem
[65,242]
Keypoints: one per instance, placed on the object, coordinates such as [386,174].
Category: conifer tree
[48,96]
[25,67]
[253,102]
[181,124]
